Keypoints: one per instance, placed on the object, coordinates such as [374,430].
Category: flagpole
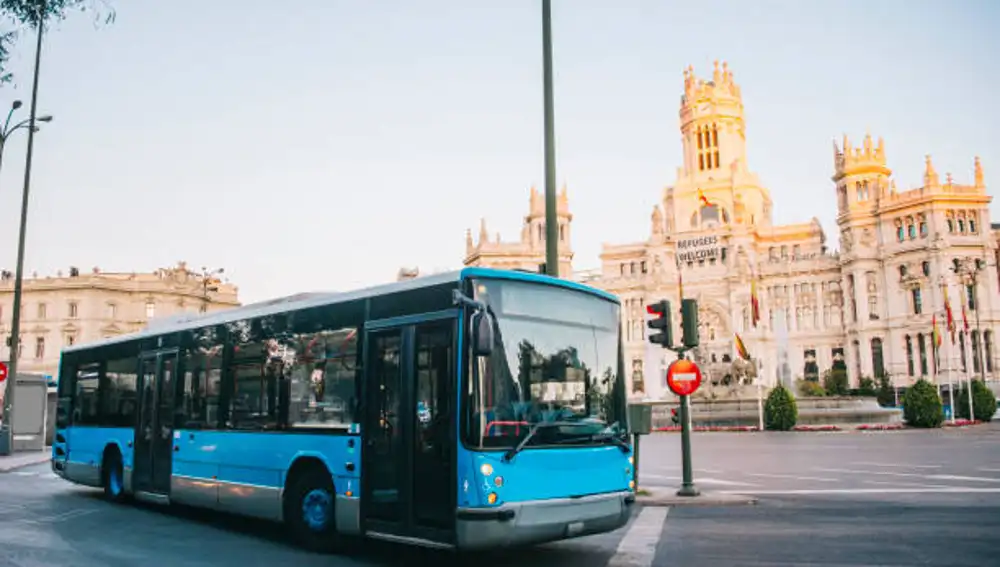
[949,323]
[972,414]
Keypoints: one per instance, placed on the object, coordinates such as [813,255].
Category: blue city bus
[469,410]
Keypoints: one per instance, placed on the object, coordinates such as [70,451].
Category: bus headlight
[491,498]
[486,469]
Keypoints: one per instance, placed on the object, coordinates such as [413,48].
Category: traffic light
[661,322]
[689,323]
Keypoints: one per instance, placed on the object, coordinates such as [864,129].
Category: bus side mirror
[482,333]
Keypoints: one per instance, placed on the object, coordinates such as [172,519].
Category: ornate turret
[930,174]
[861,174]
[712,125]
[979,174]
[656,219]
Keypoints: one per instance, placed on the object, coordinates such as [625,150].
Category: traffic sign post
[683,379]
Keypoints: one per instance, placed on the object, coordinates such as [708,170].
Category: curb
[818,428]
[20,461]
[658,497]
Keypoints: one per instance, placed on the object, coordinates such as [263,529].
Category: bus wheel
[113,478]
[309,508]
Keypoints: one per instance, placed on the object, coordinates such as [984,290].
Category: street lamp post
[551,228]
[968,269]
[7,129]
[15,327]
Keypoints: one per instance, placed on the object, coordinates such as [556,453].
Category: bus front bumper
[540,521]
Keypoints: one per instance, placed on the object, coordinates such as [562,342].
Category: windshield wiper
[614,439]
[531,433]
[601,438]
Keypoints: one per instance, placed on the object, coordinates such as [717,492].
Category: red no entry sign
[683,377]
[3,372]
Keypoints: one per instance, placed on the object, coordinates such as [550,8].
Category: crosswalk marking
[638,547]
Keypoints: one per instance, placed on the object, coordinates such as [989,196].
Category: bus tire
[309,510]
[112,475]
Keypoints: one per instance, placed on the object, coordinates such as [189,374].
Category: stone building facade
[869,306]
[527,253]
[76,307]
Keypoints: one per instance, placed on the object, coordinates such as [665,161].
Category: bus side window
[118,396]
[86,409]
[199,407]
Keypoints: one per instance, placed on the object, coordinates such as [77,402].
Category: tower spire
[979,173]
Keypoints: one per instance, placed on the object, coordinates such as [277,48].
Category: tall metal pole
[15,326]
[551,226]
[981,344]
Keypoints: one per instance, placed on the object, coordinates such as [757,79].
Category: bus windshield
[555,361]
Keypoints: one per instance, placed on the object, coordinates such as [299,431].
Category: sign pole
[683,378]
[635,465]
[687,484]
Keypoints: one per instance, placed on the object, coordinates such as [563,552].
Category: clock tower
[714,185]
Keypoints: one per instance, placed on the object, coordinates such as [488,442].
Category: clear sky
[323,144]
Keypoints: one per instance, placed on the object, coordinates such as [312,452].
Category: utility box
[30,413]
[640,419]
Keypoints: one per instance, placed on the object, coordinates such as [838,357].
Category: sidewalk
[24,459]
[663,497]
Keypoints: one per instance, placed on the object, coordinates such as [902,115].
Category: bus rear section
[543,452]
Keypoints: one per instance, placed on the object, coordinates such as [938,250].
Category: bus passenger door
[154,434]
[408,456]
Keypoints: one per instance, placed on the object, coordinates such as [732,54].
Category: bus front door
[408,457]
[154,432]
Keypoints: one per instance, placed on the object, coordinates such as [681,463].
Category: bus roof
[298,301]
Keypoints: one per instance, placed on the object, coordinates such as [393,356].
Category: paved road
[897,498]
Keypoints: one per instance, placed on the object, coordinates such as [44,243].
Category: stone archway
[714,353]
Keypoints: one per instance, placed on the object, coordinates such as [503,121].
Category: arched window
[988,349]
[909,355]
[922,346]
[878,363]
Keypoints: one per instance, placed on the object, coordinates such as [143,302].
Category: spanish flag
[754,302]
[949,316]
[934,332]
[704,200]
[741,349]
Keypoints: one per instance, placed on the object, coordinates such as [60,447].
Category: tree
[19,15]
[984,403]
[886,392]
[780,411]
[835,382]
[922,405]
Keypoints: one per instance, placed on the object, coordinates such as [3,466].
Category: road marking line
[899,465]
[903,482]
[988,469]
[658,476]
[821,491]
[925,476]
[960,477]
[720,481]
[795,477]
[638,547]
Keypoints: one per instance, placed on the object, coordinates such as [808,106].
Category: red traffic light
[657,308]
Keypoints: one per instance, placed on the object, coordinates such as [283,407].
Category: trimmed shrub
[866,387]
[835,382]
[922,405]
[984,403]
[810,389]
[780,410]
[886,393]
